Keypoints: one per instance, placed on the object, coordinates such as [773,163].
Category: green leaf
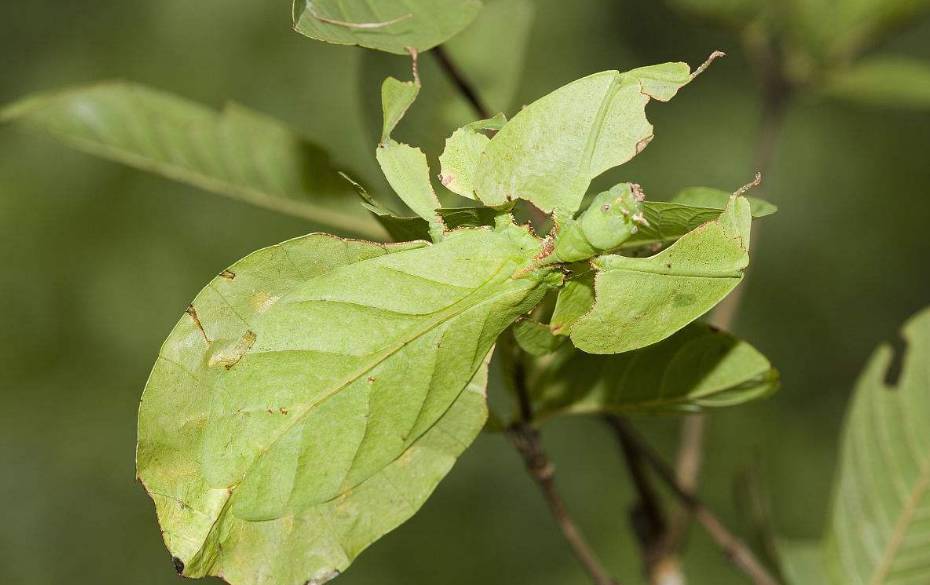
[881,506]
[641,301]
[459,160]
[317,391]
[405,167]
[575,299]
[689,209]
[698,367]
[237,152]
[550,151]
[535,338]
[884,81]
[802,562]
[386,25]
[407,172]
[396,98]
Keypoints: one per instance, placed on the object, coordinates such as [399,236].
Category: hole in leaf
[893,373]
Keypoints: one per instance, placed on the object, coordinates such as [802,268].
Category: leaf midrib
[470,301]
[902,525]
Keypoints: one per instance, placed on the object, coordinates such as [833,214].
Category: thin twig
[527,442]
[646,515]
[526,439]
[461,83]
[734,548]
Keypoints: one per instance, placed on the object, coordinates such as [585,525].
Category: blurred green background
[99,261]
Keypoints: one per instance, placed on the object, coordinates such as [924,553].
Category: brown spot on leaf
[642,144]
[231,356]
[192,313]
[262,301]
[228,274]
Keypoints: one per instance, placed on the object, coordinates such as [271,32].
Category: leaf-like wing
[718,198]
[237,152]
[666,221]
[640,301]
[315,393]
[696,368]
[884,81]
[550,151]
[878,532]
[386,25]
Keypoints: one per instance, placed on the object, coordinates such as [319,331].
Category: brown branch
[734,548]
[646,515]
[526,439]
[527,442]
[461,83]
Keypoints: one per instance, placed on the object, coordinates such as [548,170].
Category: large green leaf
[878,532]
[880,520]
[315,393]
[884,81]
[387,25]
[640,301]
[550,151]
[698,367]
[236,152]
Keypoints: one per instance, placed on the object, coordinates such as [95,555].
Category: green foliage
[698,367]
[237,152]
[640,301]
[884,81]
[877,534]
[327,385]
[392,26]
[815,46]
[463,150]
[273,421]
[550,151]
